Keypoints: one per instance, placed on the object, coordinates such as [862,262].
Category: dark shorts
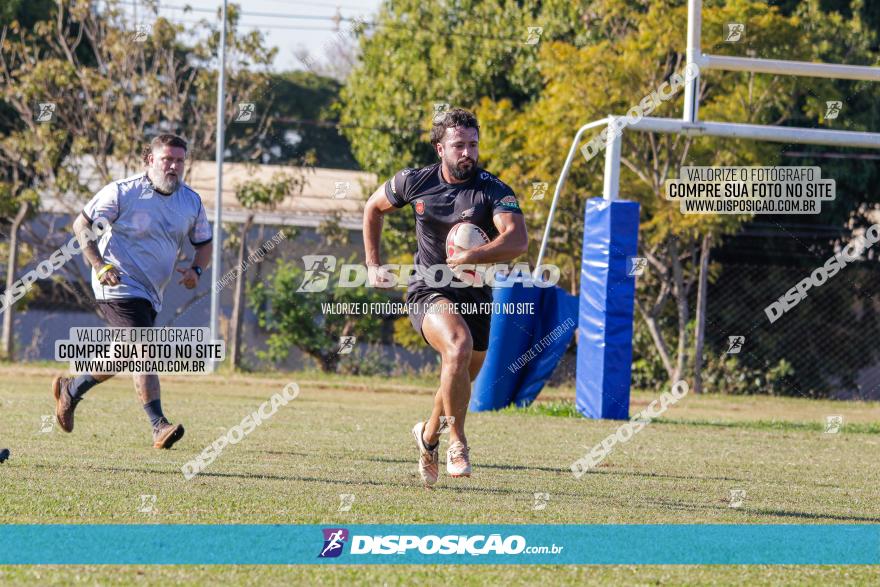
[128,313]
[478,323]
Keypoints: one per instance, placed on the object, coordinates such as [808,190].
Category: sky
[287,24]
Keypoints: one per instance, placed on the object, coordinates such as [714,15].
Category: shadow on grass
[663,476]
[603,471]
[567,409]
[480,465]
[809,516]
[384,482]
[765,512]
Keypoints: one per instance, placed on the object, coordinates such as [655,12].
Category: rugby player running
[150,215]
[442,195]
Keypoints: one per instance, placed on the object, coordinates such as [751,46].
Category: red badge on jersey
[420,207]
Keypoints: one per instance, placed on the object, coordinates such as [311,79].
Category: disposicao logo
[334,540]
[404,544]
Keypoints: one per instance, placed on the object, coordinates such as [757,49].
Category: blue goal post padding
[605,316]
[524,348]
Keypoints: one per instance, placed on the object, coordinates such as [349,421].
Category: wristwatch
[197,269]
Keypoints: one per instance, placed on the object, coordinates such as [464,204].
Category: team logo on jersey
[485,176]
[467,213]
[420,207]
[509,202]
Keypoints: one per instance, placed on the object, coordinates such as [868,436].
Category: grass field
[351,435]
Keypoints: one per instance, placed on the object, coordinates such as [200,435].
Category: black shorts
[478,323]
[128,313]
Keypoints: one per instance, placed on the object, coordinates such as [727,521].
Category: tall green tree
[421,54]
[105,85]
[254,195]
[303,122]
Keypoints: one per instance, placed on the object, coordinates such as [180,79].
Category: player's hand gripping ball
[465,236]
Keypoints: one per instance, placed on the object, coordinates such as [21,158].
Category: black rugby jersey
[438,206]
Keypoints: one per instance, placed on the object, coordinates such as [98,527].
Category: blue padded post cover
[524,348]
[557,322]
[605,315]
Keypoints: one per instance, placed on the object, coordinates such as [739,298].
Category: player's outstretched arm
[374,213]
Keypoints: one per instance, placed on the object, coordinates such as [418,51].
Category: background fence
[825,346]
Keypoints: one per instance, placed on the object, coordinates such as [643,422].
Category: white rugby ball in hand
[466,235]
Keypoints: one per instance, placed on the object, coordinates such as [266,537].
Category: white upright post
[560,183]
[611,187]
[218,196]
[691,88]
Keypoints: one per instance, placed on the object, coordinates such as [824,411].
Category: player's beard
[460,172]
[166,184]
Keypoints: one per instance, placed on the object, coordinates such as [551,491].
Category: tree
[254,195]
[8,316]
[302,125]
[443,53]
[107,87]
[307,320]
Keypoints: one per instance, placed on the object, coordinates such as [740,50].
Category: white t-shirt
[146,235]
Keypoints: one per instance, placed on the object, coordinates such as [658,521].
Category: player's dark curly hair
[451,119]
[166,139]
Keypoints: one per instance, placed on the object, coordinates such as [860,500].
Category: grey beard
[165,185]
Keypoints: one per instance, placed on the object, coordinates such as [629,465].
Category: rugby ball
[466,235]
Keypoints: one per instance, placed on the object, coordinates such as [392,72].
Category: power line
[337,125]
[213,11]
[336,19]
[263,26]
[312,4]
[829,155]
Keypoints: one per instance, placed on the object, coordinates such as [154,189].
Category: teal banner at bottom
[853,544]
